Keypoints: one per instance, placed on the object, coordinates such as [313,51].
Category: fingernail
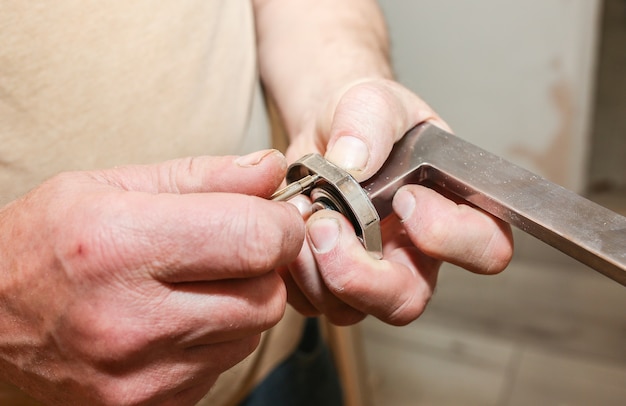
[254,158]
[403,204]
[349,153]
[323,234]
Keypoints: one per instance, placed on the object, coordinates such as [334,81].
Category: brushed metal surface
[561,218]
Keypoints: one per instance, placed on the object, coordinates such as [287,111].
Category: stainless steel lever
[432,157]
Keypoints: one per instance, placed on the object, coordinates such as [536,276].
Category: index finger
[185,238]
[258,173]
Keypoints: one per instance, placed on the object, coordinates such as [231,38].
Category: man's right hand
[143,283]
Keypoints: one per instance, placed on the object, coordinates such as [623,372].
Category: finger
[311,292]
[194,371]
[171,317]
[176,376]
[395,290]
[183,238]
[258,173]
[452,232]
[295,297]
[221,311]
[368,120]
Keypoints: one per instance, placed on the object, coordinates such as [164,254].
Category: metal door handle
[429,156]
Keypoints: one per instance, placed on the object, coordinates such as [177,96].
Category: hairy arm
[309,49]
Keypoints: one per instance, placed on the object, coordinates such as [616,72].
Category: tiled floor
[541,333]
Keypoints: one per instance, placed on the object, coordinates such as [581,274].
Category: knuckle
[497,253]
[408,309]
[183,175]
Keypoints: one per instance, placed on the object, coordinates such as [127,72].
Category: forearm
[308,49]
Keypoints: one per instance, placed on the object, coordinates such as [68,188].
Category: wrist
[308,54]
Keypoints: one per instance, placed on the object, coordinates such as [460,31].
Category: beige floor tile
[434,365]
[566,308]
[553,379]
[487,340]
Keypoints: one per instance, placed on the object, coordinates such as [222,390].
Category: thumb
[259,173]
[368,119]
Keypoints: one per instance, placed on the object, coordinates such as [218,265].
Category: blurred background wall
[515,77]
[542,83]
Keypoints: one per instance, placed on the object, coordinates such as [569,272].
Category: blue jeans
[307,378]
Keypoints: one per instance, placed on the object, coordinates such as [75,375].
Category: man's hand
[334,275]
[326,66]
[143,283]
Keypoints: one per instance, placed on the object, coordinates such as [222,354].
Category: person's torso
[90,84]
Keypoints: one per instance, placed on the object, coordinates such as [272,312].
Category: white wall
[514,77]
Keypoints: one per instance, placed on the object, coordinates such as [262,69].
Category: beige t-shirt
[90,84]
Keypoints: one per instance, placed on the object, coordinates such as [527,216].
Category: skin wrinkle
[253,254]
[487,256]
[490,255]
[410,306]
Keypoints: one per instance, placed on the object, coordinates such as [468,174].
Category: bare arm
[309,49]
